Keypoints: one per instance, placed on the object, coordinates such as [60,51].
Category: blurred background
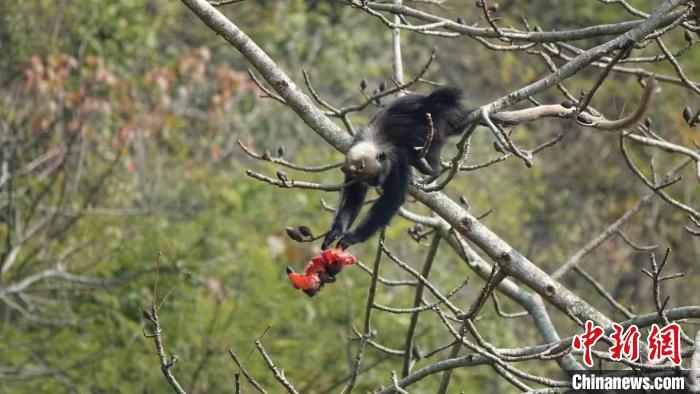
[119,125]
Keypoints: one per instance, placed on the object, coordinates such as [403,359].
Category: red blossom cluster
[320,270]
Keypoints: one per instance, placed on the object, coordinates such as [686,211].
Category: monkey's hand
[330,237]
[347,240]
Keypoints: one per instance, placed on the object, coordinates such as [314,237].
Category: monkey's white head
[365,159]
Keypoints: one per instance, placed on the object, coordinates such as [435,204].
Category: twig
[612,228]
[373,98]
[462,149]
[501,136]
[418,297]
[429,140]
[527,36]
[697,224]
[316,96]
[152,316]
[583,104]
[290,183]
[374,344]
[494,279]
[248,376]
[655,275]
[488,163]
[281,161]
[385,281]
[279,375]
[395,384]
[165,365]
[368,314]
[268,92]
[641,248]
[397,58]
[425,305]
[604,293]
[553,348]
[501,312]
[676,66]
[495,358]
[664,145]
[456,311]
[657,188]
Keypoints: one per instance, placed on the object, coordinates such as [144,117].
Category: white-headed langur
[411,128]
[411,132]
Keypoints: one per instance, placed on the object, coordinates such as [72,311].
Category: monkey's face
[365,161]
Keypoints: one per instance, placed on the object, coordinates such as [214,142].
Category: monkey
[409,129]
[409,132]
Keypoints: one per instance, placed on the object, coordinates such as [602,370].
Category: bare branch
[669,147]
[368,313]
[418,297]
[657,188]
[165,365]
[604,293]
[666,18]
[288,164]
[583,118]
[290,183]
[388,282]
[268,92]
[456,311]
[633,245]
[279,375]
[248,377]
[398,88]
[503,314]
[577,257]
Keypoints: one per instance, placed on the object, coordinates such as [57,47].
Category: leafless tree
[505,270]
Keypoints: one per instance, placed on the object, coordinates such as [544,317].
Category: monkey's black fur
[384,153]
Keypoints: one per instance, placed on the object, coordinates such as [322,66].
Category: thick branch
[527,36]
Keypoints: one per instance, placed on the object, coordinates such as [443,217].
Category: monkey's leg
[386,206]
[422,166]
[352,196]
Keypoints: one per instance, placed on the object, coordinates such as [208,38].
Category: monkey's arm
[352,196]
[386,206]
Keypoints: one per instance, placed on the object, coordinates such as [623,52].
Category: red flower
[322,269]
